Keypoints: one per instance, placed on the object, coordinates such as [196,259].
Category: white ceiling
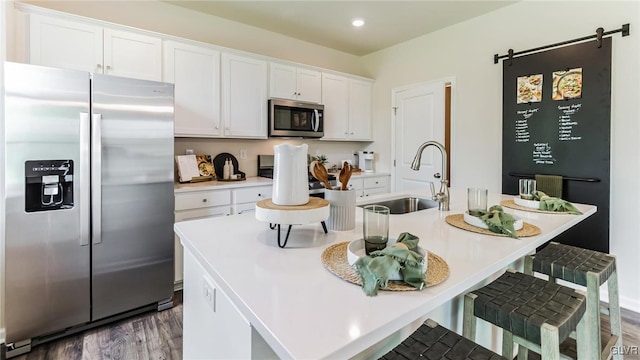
[328,23]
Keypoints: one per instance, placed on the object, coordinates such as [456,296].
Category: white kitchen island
[244,297]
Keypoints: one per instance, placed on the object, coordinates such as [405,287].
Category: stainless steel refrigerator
[89,198]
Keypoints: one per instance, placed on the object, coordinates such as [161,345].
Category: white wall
[465,51]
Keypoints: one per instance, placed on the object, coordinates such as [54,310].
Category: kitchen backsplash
[334,150]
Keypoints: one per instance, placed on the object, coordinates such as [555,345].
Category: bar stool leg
[523,353]
[550,342]
[593,313]
[507,344]
[614,311]
[528,264]
[469,319]
[582,340]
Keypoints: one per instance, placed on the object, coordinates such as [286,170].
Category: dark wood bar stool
[533,313]
[586,268]
[432,341]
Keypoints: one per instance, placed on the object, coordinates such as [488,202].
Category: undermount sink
[405,205]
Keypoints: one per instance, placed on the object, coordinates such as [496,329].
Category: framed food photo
[567,84]
[205,166]
[529,89]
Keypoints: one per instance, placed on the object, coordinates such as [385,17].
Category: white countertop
[218,185]
[251,181]
[305,312]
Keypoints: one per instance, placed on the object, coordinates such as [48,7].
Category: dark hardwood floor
[153,335]
[158,336]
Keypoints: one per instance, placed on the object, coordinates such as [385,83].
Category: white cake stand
[316,210]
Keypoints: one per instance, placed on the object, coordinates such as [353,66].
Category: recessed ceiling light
[357,22]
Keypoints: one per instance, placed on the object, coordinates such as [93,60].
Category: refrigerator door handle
[96,178]
[85,200]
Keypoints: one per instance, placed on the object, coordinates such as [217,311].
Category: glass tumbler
[476,201]
[375,227]
[527,188]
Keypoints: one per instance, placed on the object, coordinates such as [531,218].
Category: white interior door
[419,117]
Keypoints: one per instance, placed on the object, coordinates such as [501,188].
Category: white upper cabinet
[290,82]
[195,73]
[132,55]
[244,97]
[360,114]
[335,98]
[347,108]
[75,45]
[65,44]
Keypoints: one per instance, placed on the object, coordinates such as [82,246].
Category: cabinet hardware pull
[204,200]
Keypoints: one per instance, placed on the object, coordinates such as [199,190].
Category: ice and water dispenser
[49,185]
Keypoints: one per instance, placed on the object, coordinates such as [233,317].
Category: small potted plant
[321,159]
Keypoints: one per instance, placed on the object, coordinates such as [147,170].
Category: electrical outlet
[209,292]
[243,154]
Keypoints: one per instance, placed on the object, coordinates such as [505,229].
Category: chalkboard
[557,121]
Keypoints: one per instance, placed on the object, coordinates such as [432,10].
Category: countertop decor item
[334,259]
[457,220]
[320,172]
[345,175]
[315,210]
[512,205]
[322,159]
[290,175]
[218,166]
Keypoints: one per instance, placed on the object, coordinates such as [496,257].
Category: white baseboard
[630,304]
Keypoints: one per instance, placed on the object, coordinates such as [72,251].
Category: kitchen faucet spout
[442,197]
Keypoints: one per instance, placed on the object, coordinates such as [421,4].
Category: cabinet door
[308,85]
[244,97]
[282,82]
[195,72]
[335,97]
[360,102]
[64,44]
[185,215]
[132,55]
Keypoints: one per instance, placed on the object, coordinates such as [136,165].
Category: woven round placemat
[457,220]
[512,204]
[334,258]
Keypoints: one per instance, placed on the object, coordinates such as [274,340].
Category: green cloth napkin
[499,221]
[549,203]
[376,268]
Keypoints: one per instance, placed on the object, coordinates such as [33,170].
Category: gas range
[316,188]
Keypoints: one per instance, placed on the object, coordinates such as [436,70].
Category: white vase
[290,175]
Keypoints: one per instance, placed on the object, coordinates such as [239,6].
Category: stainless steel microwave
[290,118]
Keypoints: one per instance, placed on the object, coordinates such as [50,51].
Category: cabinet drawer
[202,199]
[374,191]
[375,182]
[356,184]
[215,211]
[244,208]
[251,194]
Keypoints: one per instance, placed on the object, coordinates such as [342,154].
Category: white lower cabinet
[213,203]
[214,328]
[197,205]
[369,185]
[244,200]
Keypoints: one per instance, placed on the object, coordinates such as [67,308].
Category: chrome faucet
[441,197]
